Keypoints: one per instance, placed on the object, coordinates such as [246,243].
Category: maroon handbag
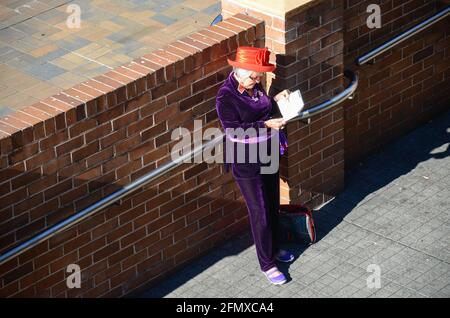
[296,224]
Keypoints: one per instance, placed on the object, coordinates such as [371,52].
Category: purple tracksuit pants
[262,196]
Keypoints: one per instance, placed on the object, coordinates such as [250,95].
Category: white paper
[292,106]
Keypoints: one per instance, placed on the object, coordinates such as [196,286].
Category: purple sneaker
[275,276]
[284,256]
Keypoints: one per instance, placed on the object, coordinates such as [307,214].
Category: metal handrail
[339,98]
[112,198]
[403,36]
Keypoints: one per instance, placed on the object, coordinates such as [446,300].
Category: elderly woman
[242,103]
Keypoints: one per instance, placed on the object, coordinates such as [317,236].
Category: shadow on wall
[317,85]
[383,168]
[164,224]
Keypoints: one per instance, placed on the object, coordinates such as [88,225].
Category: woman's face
[250,81]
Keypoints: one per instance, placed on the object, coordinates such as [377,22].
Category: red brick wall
[70,150]
[307,45]
[406,86]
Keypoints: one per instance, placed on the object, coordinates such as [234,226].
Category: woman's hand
[275,123]
[282,95]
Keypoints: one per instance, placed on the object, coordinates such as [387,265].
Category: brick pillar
[307,44]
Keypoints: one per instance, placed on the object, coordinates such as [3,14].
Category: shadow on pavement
[430,141]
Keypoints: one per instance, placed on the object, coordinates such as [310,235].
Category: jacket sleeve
[229,117]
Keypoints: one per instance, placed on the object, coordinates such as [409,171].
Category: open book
[292,106]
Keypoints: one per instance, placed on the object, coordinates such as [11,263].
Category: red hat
[253,59]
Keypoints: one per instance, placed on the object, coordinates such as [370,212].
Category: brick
[163,139]
[121,255]
[13,224]
[106,251]
[174,249]
[203,83]
[156,59]
[382,75]
[77,95]
[180,93]
[411,48]
[134,259]
[193,216]
[18,273]
[123,277]
[14,122]
[221,30]
[50,281]
[155,155]
[184,47]
[53,140]
[23,153]
[87,175]
[94,185]
[117,77]
[423,54]
[69,145]
[125,119]
[44,183]
[412,70]
[196,44]
[176,52]
[204,39]
[163,90]
[147,241]
[33,277]
[215,65]
[172,205]
[276,35]
[159,246]
[124,145]
[188,78]
[199,236]
[423,75]
[157,224]
[26,178]
[86,151]
[82,127]
[131,73]
[248,18]
[133,237]
[128,168]
[92,246]
[152,107]
[100,157]
[6,214]
[139,125]
[191,101]
[8,130]
[138,101]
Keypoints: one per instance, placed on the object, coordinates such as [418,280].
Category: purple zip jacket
[237,109]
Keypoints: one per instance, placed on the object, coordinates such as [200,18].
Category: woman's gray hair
[242,73]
